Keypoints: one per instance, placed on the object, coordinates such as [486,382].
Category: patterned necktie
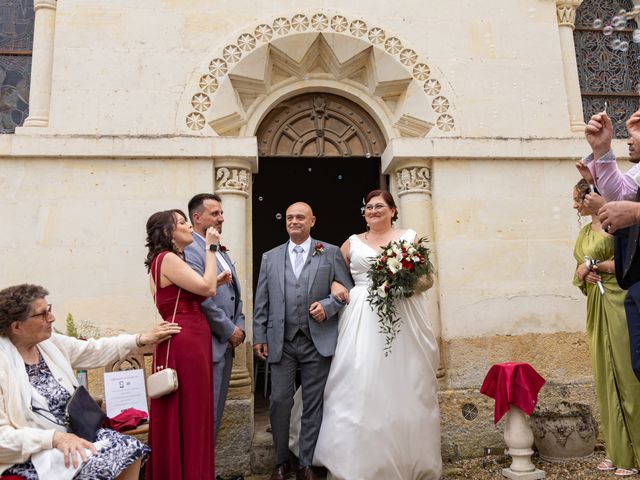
[298,260]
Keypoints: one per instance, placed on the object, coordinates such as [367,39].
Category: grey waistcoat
[296,302]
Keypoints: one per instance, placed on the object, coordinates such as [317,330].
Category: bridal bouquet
[394,274]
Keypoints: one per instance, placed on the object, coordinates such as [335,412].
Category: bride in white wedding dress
[380,416]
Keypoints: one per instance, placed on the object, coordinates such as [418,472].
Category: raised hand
[633,125]
[212,236]
[593,202]
[599,132]
[584,171]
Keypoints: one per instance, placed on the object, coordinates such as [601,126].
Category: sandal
[626,472]
[606,465]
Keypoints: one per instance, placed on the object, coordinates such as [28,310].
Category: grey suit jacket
[224,310]
[269,309]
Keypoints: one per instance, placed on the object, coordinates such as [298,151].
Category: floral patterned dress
[109,462]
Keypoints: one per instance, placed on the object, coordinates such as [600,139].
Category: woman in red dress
[181,429]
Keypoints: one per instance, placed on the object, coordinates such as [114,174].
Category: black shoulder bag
[83,415]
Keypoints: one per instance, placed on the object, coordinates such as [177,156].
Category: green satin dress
[617,387]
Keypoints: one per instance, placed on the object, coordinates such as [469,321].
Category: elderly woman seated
[36,383]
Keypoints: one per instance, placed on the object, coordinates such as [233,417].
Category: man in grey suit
[295,325]
[224,310]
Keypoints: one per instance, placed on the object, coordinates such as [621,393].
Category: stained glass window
[16,43]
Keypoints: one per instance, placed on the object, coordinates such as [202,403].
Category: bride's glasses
[377,207]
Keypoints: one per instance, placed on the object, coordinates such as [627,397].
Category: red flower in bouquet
[318,249]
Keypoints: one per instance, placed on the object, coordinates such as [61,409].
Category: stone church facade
[471,113]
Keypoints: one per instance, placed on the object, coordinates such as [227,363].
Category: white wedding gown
[380,416]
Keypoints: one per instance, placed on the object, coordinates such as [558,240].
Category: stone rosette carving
[220,67]
[233,179]
[319,21]
[415,179]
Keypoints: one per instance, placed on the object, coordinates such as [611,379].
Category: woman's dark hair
[15,304]
[160,228]
[583,188]
[388,199]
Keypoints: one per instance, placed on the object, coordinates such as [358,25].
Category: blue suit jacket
[224,310]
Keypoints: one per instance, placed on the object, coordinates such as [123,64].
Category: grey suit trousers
[221,377]
[314,369]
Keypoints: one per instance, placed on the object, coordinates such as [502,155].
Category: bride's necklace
[377,236]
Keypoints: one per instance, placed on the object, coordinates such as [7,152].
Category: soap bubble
[259,199]
[636,35]
[309,169]
[615,43]
[367,155]
[618,22]
[608,30]
[339,177]
[597,23]
[278,216]
[624,46]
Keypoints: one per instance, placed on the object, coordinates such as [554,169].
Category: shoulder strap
[157,260]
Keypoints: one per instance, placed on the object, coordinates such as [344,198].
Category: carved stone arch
[319,125]
[228,94]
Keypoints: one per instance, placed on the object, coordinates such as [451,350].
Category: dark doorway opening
[334,187]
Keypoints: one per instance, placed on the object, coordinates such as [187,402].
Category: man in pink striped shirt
[601,169]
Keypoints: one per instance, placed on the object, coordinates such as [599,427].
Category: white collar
[306,245]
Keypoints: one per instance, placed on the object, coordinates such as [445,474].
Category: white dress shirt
[306,245]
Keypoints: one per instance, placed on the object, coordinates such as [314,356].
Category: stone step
[263,452]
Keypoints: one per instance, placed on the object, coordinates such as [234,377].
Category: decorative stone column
[412,182]
[566,13]
[41,63]
[233,449]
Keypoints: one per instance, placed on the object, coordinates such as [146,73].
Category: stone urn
[564,431]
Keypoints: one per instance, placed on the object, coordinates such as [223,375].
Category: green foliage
[72,331]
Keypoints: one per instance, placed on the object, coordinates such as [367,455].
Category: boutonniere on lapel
[318,249]
[223,249]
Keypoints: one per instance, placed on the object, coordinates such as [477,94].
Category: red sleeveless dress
[181,429]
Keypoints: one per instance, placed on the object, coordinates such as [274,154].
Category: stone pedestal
[519,439]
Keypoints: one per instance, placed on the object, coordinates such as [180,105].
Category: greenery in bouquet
[394,274]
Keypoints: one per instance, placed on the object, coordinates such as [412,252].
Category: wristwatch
[213,247]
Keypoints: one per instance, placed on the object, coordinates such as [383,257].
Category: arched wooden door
[319,125]
[321,149]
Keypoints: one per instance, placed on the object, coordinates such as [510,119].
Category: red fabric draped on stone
[512,383]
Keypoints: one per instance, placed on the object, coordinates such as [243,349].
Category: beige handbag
[163,380]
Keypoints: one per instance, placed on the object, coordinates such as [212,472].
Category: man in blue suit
[224,310]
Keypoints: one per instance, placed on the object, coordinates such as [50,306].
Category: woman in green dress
[617,387]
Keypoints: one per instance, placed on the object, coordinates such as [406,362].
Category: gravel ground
[576,469]
[473,469]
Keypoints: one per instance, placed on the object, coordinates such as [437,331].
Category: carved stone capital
[566,12]
[44,4]
[414,179]
[233,180]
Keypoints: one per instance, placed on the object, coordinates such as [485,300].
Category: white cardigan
[23,433]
